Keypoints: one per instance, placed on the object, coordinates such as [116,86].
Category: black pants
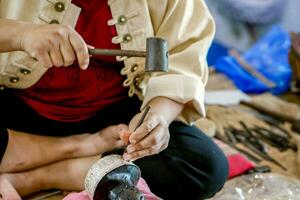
[192,167]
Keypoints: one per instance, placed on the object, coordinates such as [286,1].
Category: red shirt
[69,94]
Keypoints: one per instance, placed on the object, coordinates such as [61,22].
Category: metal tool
[140,122]
[254,147]
[282,142]
[142,117]
[156,54]
[260,169]
[252,139]
[227,141]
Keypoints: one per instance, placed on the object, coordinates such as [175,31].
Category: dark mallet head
[157,55]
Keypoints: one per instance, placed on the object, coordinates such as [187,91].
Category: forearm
[10,34]
[166,107]
[25,151]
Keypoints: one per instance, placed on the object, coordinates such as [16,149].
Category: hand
[54,45]
[150,138]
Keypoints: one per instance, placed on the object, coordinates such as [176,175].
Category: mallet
[156,54]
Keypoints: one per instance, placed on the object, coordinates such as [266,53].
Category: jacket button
[14,80]
[127,38]
[136,81]
[2,87]
[122,20]
[25,71]
[59,7]
[54,21]
[134,67]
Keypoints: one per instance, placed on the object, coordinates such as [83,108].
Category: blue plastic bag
[216,51]
[269,56]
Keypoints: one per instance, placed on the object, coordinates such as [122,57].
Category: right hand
[54,45]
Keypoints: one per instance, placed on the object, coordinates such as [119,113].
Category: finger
[67,52]
[80,48]
[139,154]
[44,59]
[56,57]
[155,138]
[147,126]
[149,151]
[90,46]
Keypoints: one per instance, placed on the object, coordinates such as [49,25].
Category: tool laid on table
[233,145]
[274,139]
[250,139]
[156,54]
[258,149]
[259,169]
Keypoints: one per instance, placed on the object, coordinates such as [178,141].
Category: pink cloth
[238,165]
[142,186]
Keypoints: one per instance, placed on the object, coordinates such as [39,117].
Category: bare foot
[7,191]
[105,140]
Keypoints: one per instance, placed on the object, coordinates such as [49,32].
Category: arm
[189,29]
[9,34]
[166,108]
[51,45]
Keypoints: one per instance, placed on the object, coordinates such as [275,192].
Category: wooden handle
[115,52]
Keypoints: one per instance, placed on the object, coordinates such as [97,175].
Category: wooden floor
[291,98]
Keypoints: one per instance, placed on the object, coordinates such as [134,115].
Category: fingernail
[133,141]
[130,149]
[85,66]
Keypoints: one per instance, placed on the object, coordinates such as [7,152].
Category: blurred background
[241,22]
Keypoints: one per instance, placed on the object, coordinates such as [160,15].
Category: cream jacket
[186,24]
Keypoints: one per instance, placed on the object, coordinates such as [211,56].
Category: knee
[208,169]
[218,173]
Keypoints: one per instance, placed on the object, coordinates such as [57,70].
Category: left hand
[150,138]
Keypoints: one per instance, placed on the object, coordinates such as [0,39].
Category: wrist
[10,34]
[22,29]
[166,108]
[15,42]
